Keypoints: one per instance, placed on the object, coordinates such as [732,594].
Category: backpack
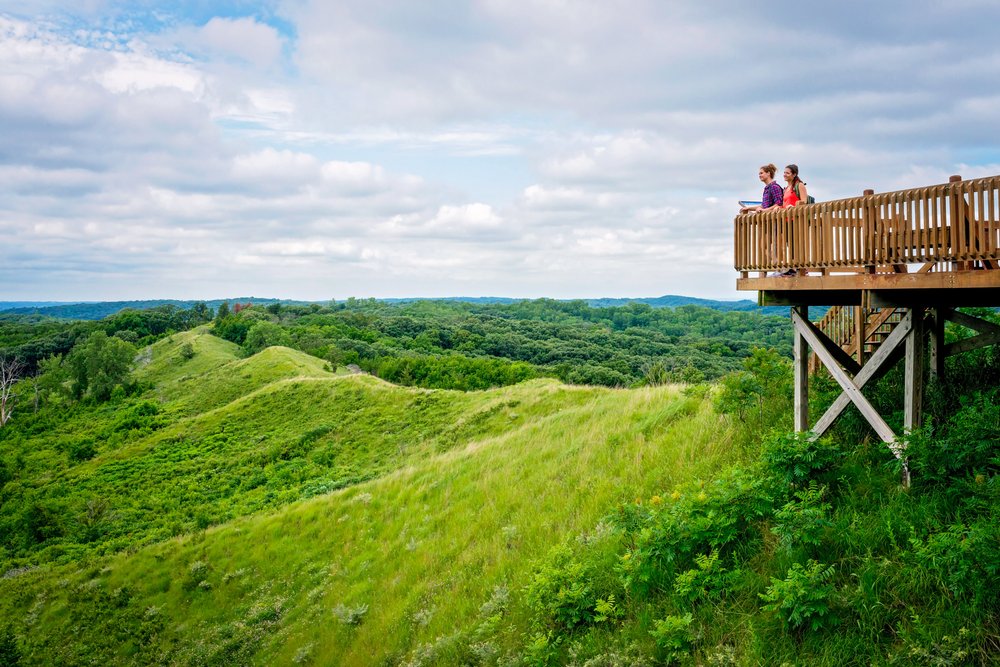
[809,200]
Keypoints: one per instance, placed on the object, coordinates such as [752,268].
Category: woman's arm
[803,193]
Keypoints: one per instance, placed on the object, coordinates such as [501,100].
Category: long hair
[794,168]
[769,168]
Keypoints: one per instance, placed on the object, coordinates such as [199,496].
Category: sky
[320,150]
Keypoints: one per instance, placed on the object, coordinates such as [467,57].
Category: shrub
[763,385]
[802,598]
[965,446]
[10,655]
[81,450]
[560,592]
[804,519]
[673,635]
[796,458]
[703,518]
[709,579]
[963,559]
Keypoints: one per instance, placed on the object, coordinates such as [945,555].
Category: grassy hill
[265,510]
[450,495]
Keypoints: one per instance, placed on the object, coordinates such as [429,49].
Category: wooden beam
[846,383]
[842,357]
[913,389]
[868,372]
[801,373]
[969,344]
[937,350]
[860,318]
[970,322]
[876,281]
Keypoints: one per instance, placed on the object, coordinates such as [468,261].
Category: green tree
[223,312]
[53,376]
[100,363]
[265,334]
[200,312]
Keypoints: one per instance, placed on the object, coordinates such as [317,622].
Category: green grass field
[267,511]
[287,494]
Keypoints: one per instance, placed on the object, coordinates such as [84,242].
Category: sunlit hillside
[264,509]
[295,494]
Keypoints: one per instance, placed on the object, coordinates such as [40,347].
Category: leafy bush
[673,635]
[10,655]
[763,385]
[803,520]
[963,559]
[701,519]
[709,579]
[966,445]
[560,592]
[803,598]
[795,458]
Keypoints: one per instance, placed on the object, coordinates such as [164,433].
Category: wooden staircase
[842,325]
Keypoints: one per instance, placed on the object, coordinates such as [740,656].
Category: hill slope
[464,491]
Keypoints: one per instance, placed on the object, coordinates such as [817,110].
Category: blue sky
[317,150]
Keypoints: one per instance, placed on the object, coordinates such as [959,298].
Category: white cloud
[244,38]
[464,147]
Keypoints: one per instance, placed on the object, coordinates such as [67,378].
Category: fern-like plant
[803,598]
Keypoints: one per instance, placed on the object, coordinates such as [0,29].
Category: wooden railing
[953,222]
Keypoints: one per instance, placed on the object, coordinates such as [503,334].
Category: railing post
[959,232]
[868,225]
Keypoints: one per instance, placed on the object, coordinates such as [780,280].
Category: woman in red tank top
[790,196]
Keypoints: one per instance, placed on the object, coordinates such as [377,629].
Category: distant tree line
[460,345]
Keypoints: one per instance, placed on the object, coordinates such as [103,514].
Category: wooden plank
[846,383]
[870,370]
[865,281]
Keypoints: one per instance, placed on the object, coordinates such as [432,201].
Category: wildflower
[655,500]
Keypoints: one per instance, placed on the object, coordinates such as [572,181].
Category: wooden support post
[860,323]
[914,388]
[801,373]
[937,344]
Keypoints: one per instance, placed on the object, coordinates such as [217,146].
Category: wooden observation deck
[894,266]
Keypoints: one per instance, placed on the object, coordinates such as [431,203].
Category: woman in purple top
[772,191]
